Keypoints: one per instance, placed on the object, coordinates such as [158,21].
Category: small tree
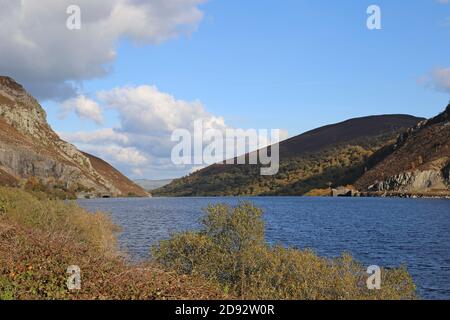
[230,250]
[222,250]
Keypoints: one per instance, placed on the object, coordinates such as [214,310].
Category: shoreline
[360,195]
[404,195]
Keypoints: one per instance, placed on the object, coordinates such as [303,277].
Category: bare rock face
[24,114]
[412,182]
[30,148]
[419,161]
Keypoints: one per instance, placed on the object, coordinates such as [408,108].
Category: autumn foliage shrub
[41,238]
[230,249]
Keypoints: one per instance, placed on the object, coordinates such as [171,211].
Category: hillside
[418,162]
[327,156]
[32,154]
[122,183]
[151,185]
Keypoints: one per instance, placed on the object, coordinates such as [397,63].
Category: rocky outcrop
[418,162]
[30,148]
[410,182]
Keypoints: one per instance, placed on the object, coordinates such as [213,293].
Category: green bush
[230,250]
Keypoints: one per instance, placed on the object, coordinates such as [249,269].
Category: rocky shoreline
[352,192]
[390,194]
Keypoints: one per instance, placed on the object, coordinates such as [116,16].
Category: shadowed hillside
[358,129]
[327,156]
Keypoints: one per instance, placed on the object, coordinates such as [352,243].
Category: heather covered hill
[418,162]
[347,131]
[32,154]
[327,156]
[126,186]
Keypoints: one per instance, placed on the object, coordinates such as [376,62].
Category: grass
[40,238]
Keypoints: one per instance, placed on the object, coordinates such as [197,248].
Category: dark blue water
[376,231]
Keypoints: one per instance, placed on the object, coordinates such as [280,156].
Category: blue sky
[294,64]
[288,64]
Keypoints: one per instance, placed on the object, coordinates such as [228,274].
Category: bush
[230,250]
[40,238]
[29,211]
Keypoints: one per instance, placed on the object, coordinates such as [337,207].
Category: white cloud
[51,61]
[141,144]
[84,107]
[101,136]
[438,79]
[145,109]
[125,155]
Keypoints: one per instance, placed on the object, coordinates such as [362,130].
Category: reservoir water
[376,231]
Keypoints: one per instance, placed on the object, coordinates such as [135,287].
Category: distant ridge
[331,155]
[150,185]
[349,130]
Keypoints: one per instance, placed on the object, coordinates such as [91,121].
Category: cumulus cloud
[118,154]
[438,79]
[41,52]
[84,108]
[141,144]
[145,109]
[101,136]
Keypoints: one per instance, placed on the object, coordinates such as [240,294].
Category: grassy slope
[125,185]
[40,238]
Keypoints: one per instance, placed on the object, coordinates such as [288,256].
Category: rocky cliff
[30,149]
[418,162]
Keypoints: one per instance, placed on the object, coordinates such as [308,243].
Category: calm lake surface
[376,231]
